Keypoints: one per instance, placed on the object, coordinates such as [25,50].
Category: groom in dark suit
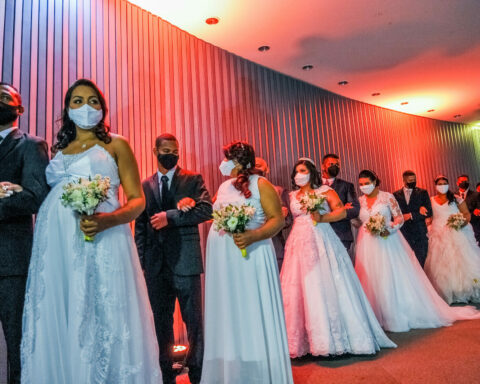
[348,196]
[168,243]
[416,208]
[23,187]
[472,199]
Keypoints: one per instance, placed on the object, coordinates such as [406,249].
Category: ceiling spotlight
[431,110]
[212,20]
[264,48]
[376,94]
[307,67]
[344,82]
[457,116]
[404,103]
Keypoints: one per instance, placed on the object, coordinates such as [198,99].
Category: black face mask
[333,170]
[464,185]
[168,160]
[411,185]
[8,114]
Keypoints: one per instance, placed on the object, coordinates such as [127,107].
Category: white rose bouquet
[233,219]
[84,195]
[456,221]
[377,226]
[313,202]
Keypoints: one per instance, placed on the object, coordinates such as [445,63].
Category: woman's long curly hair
[450,195]
[243,154]
[315,179]
[68,131]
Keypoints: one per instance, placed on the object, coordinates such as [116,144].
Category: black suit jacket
[347,194]
[473,202]
[177,244]
[416,227]
[23,160]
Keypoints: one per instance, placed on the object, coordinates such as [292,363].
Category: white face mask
[302,179]
[226,167]
[442,188]
[85,117]
[367,189]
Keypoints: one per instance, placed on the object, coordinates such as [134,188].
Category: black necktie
[164,191]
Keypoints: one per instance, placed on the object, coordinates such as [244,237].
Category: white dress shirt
[169,174]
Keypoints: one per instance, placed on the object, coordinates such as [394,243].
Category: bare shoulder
[120,145]
[264,184]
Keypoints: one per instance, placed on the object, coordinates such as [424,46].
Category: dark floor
[433,356]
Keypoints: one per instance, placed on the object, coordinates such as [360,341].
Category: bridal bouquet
[233,219]
[456,221]
[377,226]
[312,202]
[84,195]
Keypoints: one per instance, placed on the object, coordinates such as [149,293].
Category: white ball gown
[87,318]
[245,336]
[453,261]
[400,293]
[326,310]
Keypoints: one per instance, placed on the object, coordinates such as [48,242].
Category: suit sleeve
[33,182]
[141,235]
[352,198]
[425,202]
[285,200]
[200,213]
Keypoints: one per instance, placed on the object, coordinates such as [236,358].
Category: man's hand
[284,212]
[7,189]
[348,206]
[407,216]
[476,212]
[186,204]
[423,211]
[159,220]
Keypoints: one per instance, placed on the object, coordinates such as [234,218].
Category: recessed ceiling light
[376,94]
[457,116]
[212,20]
[307,67]
[264,48]
[404,103]
[344,82]
[431,110]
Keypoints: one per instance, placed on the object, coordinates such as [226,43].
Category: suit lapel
[175,181]
[9,143]
[155,189]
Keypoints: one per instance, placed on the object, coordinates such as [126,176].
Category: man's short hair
[408,173]
[15,89]
[164,137]
[330,156]
[463,175]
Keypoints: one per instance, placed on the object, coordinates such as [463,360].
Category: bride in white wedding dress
[87,318]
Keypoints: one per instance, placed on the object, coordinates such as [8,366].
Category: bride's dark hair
[450,195]
[68,132]
[315,179]
[244,154]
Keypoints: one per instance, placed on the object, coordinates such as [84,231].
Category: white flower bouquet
[377,226]
[456,221]
[233,219]
[313,202]
[84,195]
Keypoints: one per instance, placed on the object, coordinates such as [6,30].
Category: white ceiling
[424,52]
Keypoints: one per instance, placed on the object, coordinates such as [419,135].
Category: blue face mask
[85,117]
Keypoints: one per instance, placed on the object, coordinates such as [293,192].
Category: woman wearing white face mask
[245,336]
[326,310]
[453,261]
[87,316]
[396,285]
